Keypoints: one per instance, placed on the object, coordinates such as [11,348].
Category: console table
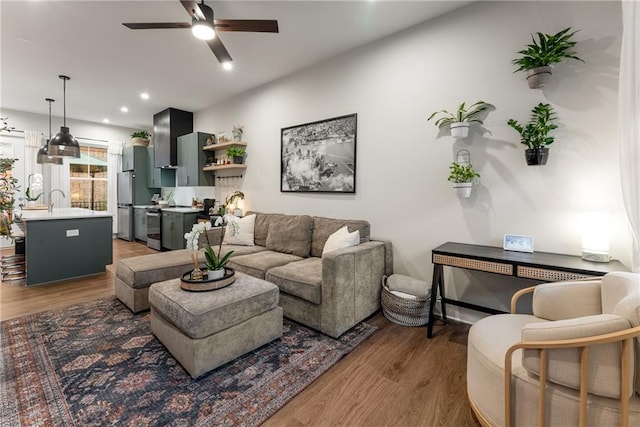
[543,266]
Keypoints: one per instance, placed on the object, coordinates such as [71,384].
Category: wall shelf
[223,167]
[224,145]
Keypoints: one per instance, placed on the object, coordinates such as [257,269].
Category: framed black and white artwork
[319,157]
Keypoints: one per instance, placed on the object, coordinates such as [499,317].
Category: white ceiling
[110,65]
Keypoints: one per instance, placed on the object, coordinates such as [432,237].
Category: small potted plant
[538,57]
[237,132]
[462,177]
[237,154]
[214,262]
[535,133]
[140,138]
[459,121]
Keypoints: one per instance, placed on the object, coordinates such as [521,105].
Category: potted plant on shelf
[459,121]
[538,57]
[140,138]
[535,133]
[462,177]
[237,132]
[237,154]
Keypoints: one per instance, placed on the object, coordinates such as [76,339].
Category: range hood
[168,125]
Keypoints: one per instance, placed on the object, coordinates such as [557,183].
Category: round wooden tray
[207,285]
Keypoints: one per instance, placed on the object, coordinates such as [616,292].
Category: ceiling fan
[204,27]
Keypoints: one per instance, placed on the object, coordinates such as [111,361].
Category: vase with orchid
[214,262]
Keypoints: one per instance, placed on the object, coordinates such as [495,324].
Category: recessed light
[144,95]
[227,65]
[105,120]
[124,109]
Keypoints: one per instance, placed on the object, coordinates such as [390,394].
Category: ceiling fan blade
[155,25]
[252,25]
[192,9]
[219,50]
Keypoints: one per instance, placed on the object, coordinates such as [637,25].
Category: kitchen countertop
[63,213]
[181,210]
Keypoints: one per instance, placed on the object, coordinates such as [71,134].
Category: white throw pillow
[245,228]
[341,239]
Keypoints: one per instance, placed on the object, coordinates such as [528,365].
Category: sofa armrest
[567,300]
[388,255]
[604,367]
[351,283]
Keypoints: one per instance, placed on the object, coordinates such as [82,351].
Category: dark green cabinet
[140,224]
[174,226]
[135,160]
[128,158]
[168,125]
[159,177]
[191,160]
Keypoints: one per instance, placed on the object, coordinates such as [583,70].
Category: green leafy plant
[8,187]
[235,152]
[535,133]
[463,114]
[29,198]
[462,173]
[142,134]
[213,260]
[547,50]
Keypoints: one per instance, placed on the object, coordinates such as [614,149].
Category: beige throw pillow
[244,231]
[341,239]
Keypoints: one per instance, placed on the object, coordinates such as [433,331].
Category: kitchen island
[66,243]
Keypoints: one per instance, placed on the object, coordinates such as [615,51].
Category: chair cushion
[141,271]
[290,234]
[567,300]
[325,227]
[302,279]
[564,364]
[257,264]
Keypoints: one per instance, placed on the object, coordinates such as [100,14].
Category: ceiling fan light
[64,144]
[227,65]
[203,30]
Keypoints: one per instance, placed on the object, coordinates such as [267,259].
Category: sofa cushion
[302,279]
[212,312]
[261,226]
[290,234]
[244,229]
[259,263]
[325,227]
[239,249]
[341,239]
[140,271]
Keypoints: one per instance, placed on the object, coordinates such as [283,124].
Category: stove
[154,230]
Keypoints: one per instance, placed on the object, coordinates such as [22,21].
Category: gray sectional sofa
[329,293]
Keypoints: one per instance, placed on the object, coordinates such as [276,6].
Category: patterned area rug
[98,364]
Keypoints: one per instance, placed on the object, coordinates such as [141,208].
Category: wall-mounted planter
[463,189]
[538,77]
[459,129]
[140,142]
[536,156]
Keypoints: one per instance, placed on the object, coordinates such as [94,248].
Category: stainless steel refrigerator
[126,185]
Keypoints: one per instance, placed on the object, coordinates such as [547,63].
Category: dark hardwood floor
[397,377]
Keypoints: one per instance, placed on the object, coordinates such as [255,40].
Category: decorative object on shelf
[5,125]
[237,154]
[535,133]
[460,121]
[64,144]
[43,156]
[222,137]
[140,138]
[237,132]
[319,157]
[8,187]
[548,49]
[211,140]
[462,174]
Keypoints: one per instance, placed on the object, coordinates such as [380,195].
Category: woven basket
[404,311]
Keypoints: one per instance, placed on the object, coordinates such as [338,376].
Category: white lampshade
[595,237]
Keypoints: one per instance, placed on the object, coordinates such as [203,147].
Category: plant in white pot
[215,263]
[462,177]
[140,138]
[535,133]
[460,121]
[538,57]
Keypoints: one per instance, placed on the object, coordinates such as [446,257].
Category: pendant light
[43,152]
[64,144]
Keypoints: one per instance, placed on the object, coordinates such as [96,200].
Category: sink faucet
[50,193]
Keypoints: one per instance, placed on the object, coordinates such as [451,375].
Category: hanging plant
[459,121]
[535,133]
[462,177]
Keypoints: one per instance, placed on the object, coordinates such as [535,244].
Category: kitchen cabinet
[168,125]
[174,226]
[140,224]
[128,158]
[191,160]
[159,177]
[135,164]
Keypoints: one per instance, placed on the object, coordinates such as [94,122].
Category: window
[89,179]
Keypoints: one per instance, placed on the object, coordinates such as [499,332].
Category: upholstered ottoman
[204,330]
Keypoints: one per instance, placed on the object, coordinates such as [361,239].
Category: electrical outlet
[73,233]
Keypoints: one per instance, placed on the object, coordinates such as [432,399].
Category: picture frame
[319,157]
[513,242]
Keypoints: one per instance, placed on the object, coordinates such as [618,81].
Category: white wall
[402,165]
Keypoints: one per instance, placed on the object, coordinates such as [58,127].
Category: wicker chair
[575,361]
